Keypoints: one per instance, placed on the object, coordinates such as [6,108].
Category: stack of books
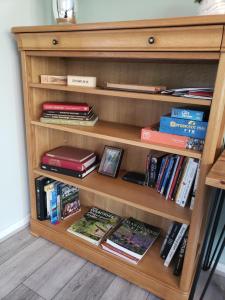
[95,225]
[184,128]
[131,240]
[174,246]
[197,93]
[174,176]
[68,114]
[70,161]
[55,200]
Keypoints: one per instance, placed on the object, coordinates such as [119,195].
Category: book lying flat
[133,237]
[91,122]
[135,88]
[94,225]
[66,106]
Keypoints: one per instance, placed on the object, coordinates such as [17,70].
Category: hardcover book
[133,237]
[66,106]
[67,113]
[135,88]
[85,81]
[153,163]
[59,121]
[70,203]
[94,226]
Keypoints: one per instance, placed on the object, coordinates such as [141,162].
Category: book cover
[84,81]
[153,167]
[66,106]
[94,226]
[188,114]
[70,203]
[70,113]
[91,122]
[179,259]
[70,153]
[179,177]
[175,245]
[188,128]
[171,239]
[68,164]
[48,188]
[167,175]
[133,237]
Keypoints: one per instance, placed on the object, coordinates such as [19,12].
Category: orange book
[151,135]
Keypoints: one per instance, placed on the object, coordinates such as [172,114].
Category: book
[179,259]
[51,79]
[49,188]
[41,204]
[94,225]
[91,122]
[84,81]
[69,153]
[168,172]
[68,164]
[162,173]
[67,117]
[135,88]
[187,113]
[153,163]
[189,128]
[119,253]
[186,182]
[174,177]
[66,106]
[69,201]
[151,135]
[69,113]
[166,238]
[180,174]
[175,244]
[133,237]
[171,238]
[70,172]
[171,178]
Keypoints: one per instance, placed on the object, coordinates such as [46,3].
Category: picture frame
[111,161]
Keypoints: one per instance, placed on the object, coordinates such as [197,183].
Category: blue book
[167,174]
[53,206]
[189,128]
[188,114]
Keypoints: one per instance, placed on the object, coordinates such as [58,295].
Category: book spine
[66,107]
[68,122]
[40,205]
[189,128]
[66,117]
[175,245]
[187,114]
[178,179]
[147,166]
[167,176]
[165,164]
[177,160]
[180,256]
[83,81]
[166,238]
[195,187]
[186,183]
[67,113]
[50,79]
[171,238]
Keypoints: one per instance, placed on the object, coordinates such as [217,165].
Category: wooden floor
[35,269]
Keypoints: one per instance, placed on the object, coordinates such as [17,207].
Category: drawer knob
[55,42]
[151,40]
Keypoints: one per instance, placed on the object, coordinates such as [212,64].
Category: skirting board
[11,230]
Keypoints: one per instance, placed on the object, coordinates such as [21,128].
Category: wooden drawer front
[198,38]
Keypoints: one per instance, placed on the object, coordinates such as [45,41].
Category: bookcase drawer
[196,38]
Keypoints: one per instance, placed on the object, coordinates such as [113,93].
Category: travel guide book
[94,225]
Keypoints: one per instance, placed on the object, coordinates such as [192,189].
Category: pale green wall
[117,10]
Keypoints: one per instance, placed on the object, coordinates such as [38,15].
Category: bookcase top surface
[164,22]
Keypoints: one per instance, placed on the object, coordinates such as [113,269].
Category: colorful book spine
[171,179]
[178,180]
[171,239]
[66,106]
[69,122]
[188,114]
[153,162]
[167,175]
[48,189]
[188,128]
[162,174]
[186,182]
[175,244]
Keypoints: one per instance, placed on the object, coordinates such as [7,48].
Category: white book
[84,81]
[175,244]
[186,182]
[195,187]
[172,177]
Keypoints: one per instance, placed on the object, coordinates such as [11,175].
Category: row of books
[70,161]
[67,113]
[55,200]
[174,176]
[126,238]
[184,128]
[174,246]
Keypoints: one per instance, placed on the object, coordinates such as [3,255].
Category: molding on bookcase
[11,230]
[220,269]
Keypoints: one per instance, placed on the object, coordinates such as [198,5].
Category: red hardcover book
[65,106]
[67,164]
[175,177]
[70,153]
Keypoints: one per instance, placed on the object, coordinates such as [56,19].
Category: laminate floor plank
[16,269]
[14,244]
[89,283]
[121,289]
[51,277]
[22,293]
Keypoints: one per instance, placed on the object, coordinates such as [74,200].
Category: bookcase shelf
[122,94]
[134,195]
[120,133]
[187,52]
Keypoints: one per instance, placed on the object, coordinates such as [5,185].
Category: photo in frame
[110,162]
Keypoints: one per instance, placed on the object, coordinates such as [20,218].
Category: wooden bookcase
[186,52]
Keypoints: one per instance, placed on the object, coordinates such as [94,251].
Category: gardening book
[133,237]
[95,225]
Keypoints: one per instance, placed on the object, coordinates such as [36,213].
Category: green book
[91,122]
[94,225]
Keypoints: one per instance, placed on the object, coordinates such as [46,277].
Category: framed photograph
[111,160]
